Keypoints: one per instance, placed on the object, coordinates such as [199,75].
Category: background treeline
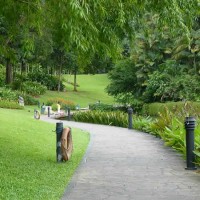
[153,44]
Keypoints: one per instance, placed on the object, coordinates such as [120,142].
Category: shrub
[54,107]
[10,104]
[22,84]
[169,85]
[18,82]
[142,123]
[63,103]
[51,82]
[106,107]
[33,88]
[137,105]
[180,108]
[9,95]
[100,117]
[29,100]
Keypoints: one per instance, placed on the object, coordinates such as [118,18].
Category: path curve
[123,164]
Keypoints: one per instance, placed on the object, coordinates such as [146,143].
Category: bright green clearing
[91,89]
[28,168]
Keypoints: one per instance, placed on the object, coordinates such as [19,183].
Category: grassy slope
[28,168]
[92,89]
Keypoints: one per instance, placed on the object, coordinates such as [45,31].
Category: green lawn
[28,167]
[91,89]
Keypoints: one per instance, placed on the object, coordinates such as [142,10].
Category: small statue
[21,101]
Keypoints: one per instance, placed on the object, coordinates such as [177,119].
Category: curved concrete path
[122,164]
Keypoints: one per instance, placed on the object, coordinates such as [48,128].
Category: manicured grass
[28,167]
[92,89]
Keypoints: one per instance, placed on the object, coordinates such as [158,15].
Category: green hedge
[185,108]
[106,107]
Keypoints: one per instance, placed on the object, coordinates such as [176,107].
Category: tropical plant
[101,117]
[180,109]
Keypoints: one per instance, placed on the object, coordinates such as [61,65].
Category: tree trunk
[59,79]
[23,67]
[75,88]
[27,68]
[9,74]
[14,72]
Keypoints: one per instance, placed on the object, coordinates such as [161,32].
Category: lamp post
[189,127]
[130,118]
[59,130]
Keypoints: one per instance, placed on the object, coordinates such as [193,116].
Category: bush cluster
[63,103]
[23,84]
[33,88]
[10,104]
[10,95]
[116,118]
[106,107]
[185,108]
[50,81]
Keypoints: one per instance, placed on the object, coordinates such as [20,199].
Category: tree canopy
[91,26]
[85,28]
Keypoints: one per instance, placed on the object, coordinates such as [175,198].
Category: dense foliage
[178,108]
[48,80]
[13,96]
[106,107]
[102,117]
[161,66]
[50,35]
[64,104]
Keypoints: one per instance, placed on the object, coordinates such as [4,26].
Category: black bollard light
[130,118]
[59,130]
[189,127]
[48,111]
[68,110]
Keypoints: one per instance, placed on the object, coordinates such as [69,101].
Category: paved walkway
[123,164]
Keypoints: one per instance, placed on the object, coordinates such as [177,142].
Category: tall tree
[17,17]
